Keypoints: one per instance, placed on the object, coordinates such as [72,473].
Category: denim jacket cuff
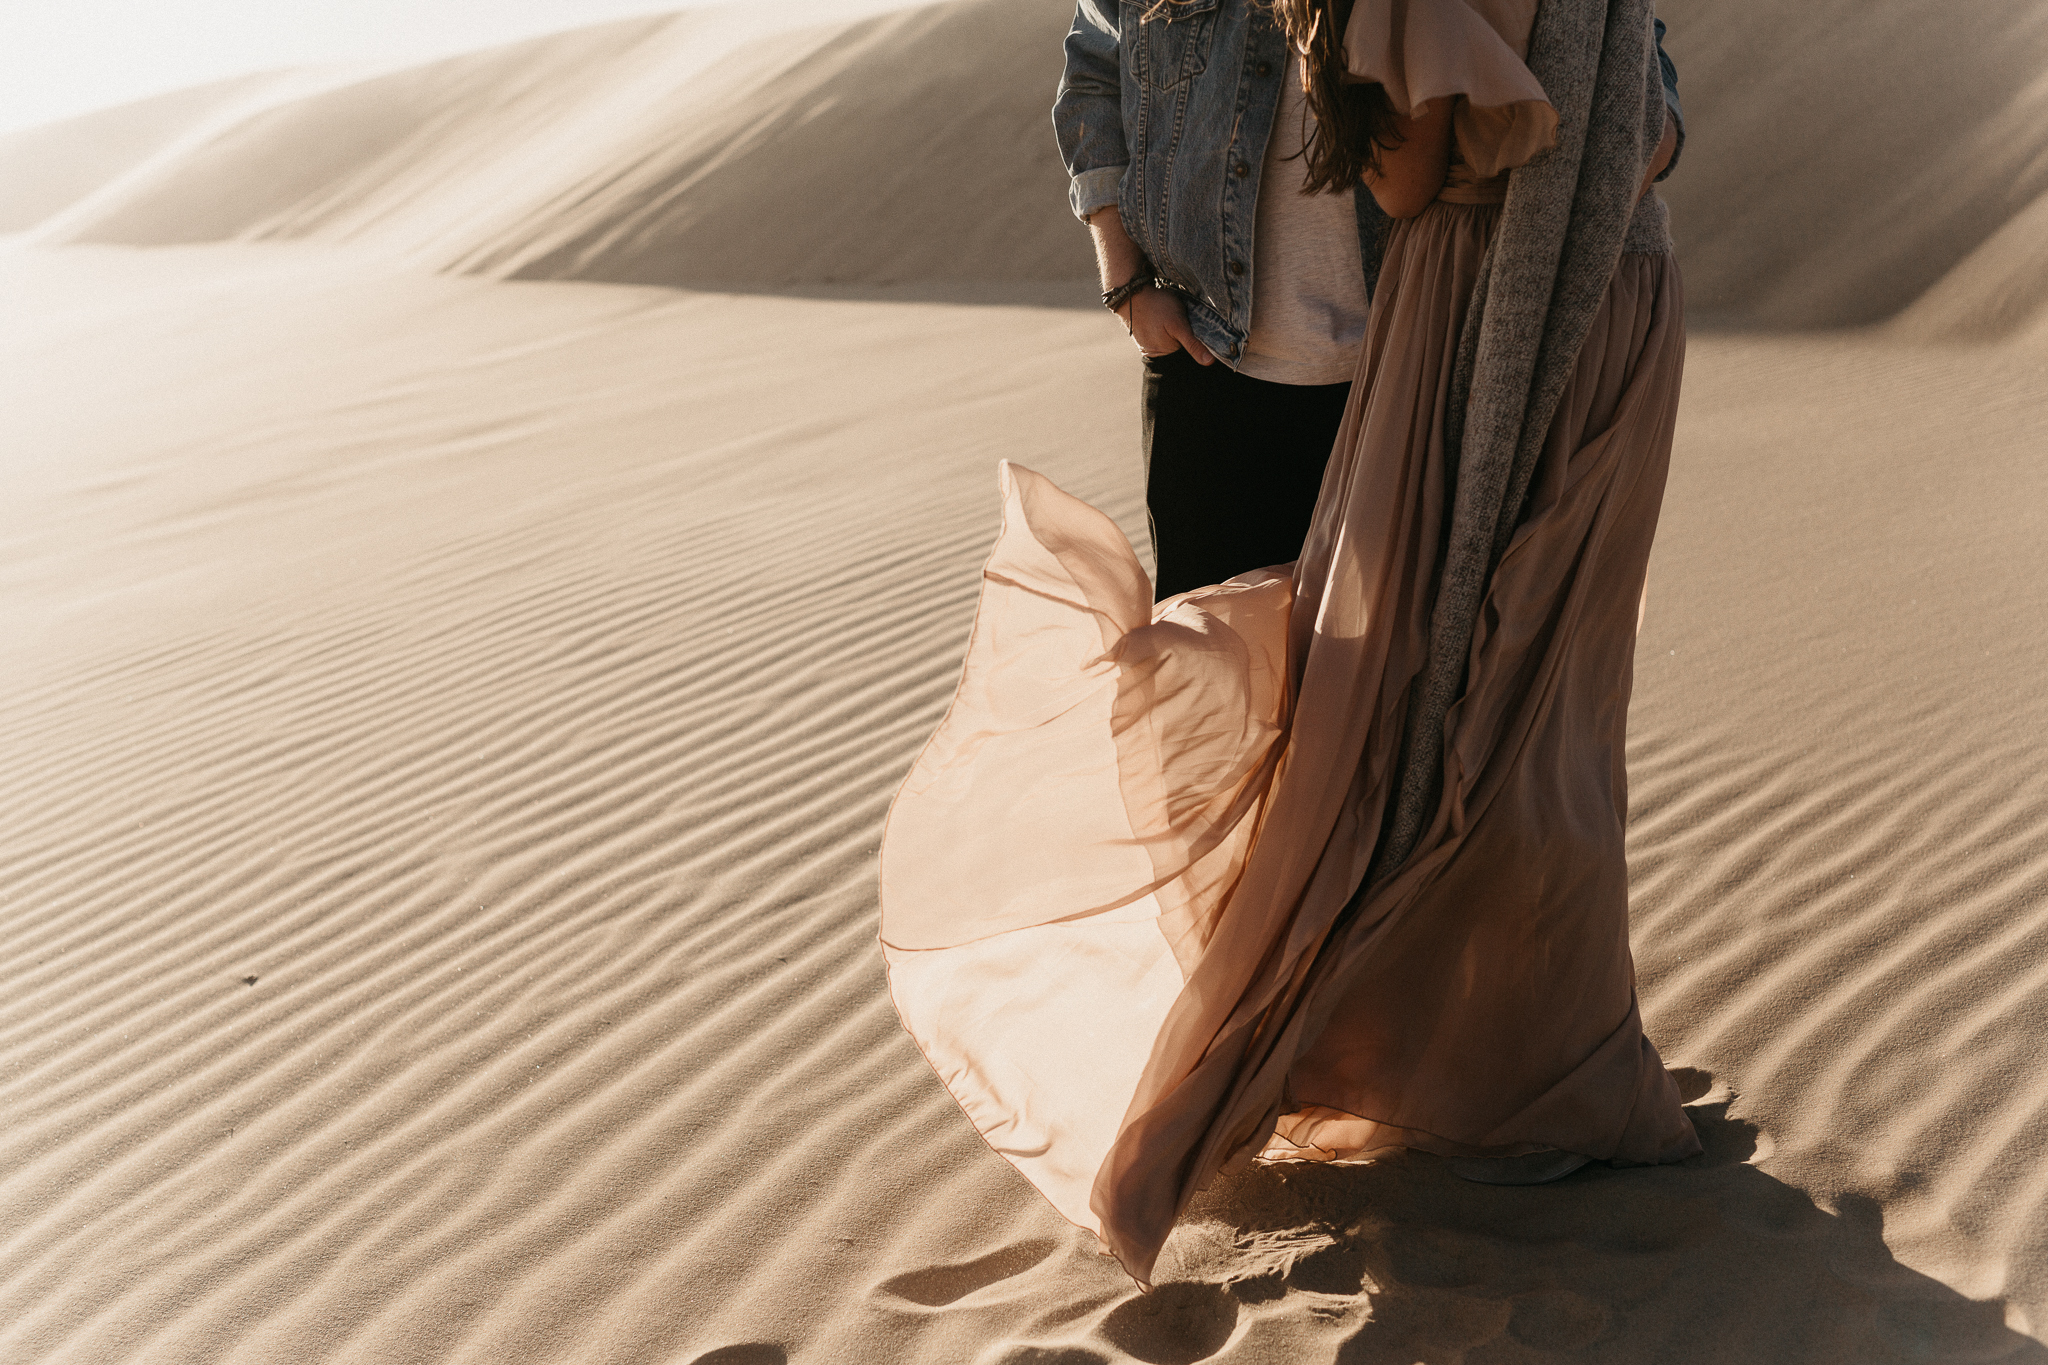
[1095,189]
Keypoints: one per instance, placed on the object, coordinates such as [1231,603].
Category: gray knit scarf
[1568,215]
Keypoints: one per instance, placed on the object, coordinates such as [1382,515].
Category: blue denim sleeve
[1088,112]
[1670,70]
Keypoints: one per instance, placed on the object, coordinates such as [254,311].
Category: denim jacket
[1167,118]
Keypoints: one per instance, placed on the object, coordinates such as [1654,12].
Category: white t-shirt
[1308,285]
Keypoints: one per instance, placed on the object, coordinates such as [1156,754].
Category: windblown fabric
[1328,858]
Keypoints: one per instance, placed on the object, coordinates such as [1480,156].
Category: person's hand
[1159,324]
[1157,318]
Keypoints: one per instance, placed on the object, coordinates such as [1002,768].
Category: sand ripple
[438,907]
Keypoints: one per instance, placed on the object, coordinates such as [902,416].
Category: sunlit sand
[480,548]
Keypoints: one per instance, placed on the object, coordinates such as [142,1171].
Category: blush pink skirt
[1118,886]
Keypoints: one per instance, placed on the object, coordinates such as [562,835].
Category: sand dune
[1999,289]
[1854,152]
[450,718]
[1846,158]
[689,149]
[50,168]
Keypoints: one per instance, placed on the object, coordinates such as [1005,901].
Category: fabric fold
[1126,895]
[1057,857]
[1135,741]
[1473,50]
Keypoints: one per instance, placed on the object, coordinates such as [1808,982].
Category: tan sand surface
[449,721]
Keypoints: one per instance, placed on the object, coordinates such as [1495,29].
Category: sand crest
[651,151]
[449,720]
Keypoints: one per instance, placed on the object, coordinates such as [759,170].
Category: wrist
[1118,296]
[1117,257]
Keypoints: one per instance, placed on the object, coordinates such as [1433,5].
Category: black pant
[1232,468]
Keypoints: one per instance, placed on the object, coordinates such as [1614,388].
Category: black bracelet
[1115,299]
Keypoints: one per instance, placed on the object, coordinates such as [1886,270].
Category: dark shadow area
[1711,1260]
[1176,1324]
[746,1353]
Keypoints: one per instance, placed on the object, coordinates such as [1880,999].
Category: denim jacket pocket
[1175,37]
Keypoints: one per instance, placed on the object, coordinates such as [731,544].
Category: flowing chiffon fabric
[1121,887]
[1482,1000]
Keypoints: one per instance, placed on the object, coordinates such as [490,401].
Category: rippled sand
[449,720]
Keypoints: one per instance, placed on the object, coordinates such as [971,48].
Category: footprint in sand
[1336,1269]
[1692,1082]
[1176,1324]
[936,1286]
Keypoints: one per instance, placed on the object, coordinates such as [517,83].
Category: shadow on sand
[1708,1261]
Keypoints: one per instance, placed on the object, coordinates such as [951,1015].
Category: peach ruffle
[1469,50]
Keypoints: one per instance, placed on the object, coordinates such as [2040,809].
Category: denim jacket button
[1240,170]
[1265,68]
[1237,267]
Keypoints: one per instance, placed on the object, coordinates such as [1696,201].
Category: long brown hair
[1354,121]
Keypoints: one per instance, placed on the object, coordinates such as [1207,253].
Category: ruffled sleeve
[1424,50]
